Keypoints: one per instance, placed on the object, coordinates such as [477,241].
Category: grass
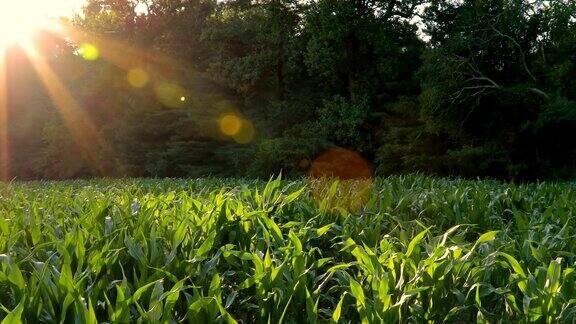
[414,249]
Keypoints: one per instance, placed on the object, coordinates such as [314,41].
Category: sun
[21,19]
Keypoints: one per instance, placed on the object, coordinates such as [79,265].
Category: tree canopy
[186,88]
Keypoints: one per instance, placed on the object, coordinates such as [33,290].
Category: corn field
[415,249]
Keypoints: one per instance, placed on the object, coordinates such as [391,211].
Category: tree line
[186,88]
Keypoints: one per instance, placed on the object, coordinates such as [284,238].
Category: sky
[65,7]
[56,8]
[52,8]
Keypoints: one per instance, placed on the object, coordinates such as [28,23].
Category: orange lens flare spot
[342,180]
[138,78]
[341,163]
[334,195]
[241,130]
[89,52]
[230,124]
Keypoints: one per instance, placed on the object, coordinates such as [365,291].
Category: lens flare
[230,124]
[138,78]
[246,133]
[341,180]
[342,164]
[89,52]
[170,94]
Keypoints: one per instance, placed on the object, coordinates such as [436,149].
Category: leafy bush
[290,155]
[341,120]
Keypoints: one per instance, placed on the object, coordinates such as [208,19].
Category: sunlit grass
[417,249]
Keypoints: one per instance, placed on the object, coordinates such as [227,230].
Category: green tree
[487,78]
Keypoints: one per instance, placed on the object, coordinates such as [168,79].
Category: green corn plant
[405,248]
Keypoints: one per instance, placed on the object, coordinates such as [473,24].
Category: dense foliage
[417,249]
[470,88]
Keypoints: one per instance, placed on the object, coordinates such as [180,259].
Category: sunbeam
[123,55]
[81,128]
[4,143]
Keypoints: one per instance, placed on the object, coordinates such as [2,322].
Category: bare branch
[520,49]
[483,78]
[540,92]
